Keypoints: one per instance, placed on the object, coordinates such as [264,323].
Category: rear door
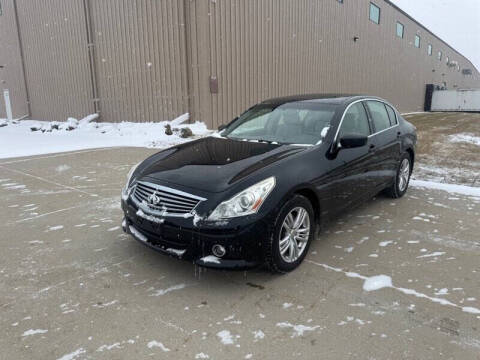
[386,139]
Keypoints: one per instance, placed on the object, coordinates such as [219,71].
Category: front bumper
[190,240]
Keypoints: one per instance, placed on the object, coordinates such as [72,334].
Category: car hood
[212,164]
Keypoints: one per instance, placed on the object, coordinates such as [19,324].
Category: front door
[349,178]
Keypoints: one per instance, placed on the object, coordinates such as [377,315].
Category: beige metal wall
[11,72]
[140,55]
[268,48]
[55,50]
[152,60]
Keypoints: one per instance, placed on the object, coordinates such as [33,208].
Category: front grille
[160,200]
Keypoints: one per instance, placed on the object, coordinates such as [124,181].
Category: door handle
[371,148]
[399,134]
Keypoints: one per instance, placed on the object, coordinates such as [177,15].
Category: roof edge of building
[396,7]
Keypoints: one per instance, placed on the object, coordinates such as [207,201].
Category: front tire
[402,178]
[291,236]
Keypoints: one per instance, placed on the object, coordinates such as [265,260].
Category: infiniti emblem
[154,199]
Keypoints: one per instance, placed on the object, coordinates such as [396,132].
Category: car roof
[324,98]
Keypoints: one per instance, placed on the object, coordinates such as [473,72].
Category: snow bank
[52,137]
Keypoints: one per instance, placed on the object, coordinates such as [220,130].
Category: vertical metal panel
[11,72]
[56,58]
[141,59]
[154,59]
[262,49]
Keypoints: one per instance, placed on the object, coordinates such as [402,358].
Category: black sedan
[256,191]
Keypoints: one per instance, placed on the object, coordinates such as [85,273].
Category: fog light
[218,251]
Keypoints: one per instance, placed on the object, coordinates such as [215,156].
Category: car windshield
[303,123]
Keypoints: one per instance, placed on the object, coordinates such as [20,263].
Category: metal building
[152,60]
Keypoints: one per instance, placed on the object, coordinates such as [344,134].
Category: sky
[455,21]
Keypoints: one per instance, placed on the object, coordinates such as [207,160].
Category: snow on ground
[451,188]
[465,138]
[18,139]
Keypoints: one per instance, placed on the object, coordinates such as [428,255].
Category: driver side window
[355,122]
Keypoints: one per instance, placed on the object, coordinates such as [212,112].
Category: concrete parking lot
[73,286]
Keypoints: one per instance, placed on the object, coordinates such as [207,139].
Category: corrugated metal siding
[269,48]
[153,59]
[140,59]
[56,58]
[11,73]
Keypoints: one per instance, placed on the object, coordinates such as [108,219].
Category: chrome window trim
[335,139]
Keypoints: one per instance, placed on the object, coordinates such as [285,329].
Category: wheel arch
[311,195]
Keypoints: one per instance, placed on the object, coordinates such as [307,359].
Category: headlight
[247,202]
[130,174]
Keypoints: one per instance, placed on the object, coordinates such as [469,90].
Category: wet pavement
[72,285]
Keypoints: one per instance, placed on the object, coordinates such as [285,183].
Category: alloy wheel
[294,234]
[404,175]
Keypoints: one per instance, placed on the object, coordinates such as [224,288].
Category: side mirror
[353,141]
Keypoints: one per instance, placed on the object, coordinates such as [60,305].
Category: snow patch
[435,254]
[73,355]
[381,281]
[34,332]
[298,330]
[19,140]
[156,344]
[385,243]
[451,188]
[62,168]
[226,337]
[465,138]
[377,282]
[202,356]
[162,292]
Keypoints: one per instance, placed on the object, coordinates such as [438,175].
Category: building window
[340,1]
[374,13]
[417,41]
[430,49]
[1,12]
[439,56]
[400,30]
[447,60]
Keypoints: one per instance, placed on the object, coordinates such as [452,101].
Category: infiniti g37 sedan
[255,192]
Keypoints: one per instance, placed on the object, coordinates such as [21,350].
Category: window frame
[394,114]
[370,125]
[417,37]
[373,131]
[439,55]
[370,13]
[403,30]
[429,49]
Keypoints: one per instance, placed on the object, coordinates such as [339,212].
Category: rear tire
[402,178]
[292,233]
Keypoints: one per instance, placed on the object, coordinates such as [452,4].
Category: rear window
[379,114]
